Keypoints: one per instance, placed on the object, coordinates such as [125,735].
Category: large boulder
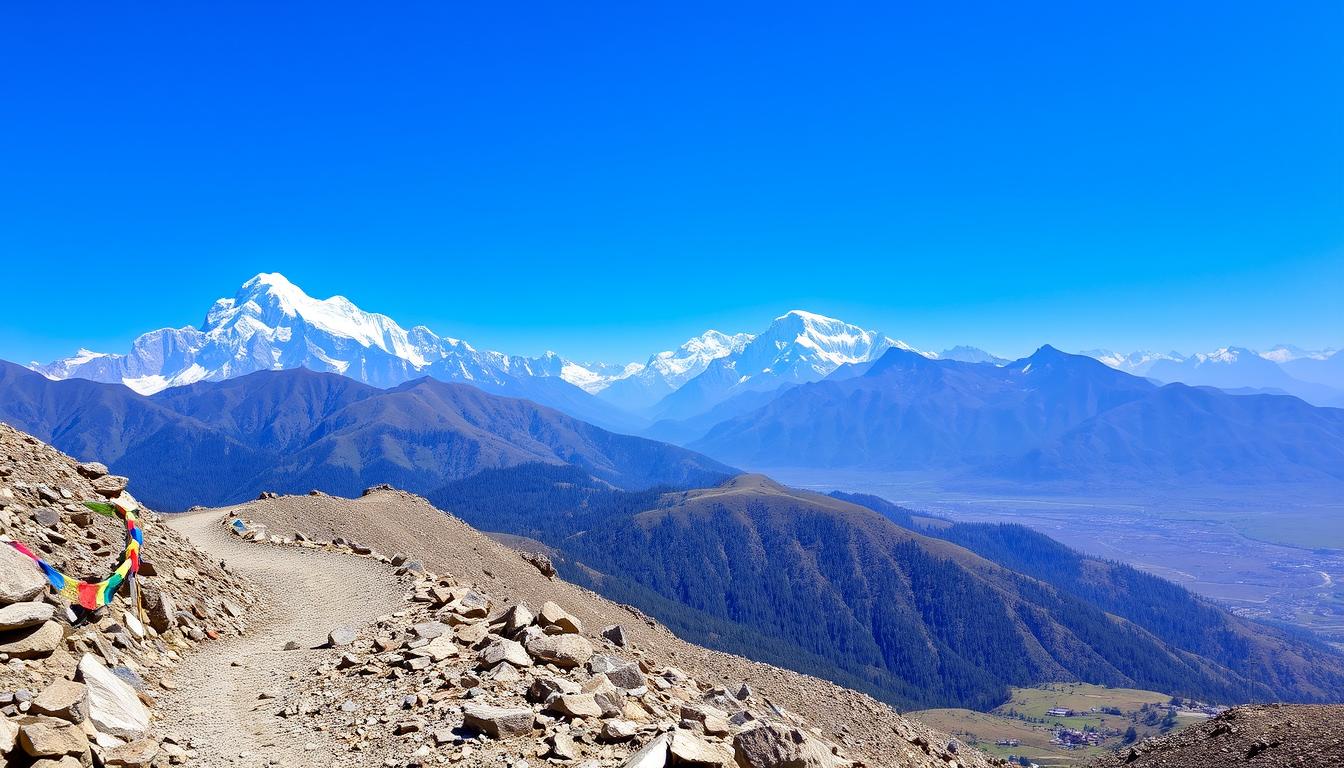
[543,688]
[498,722]
[110,486]
[341,637]
[775,746]
[20,578]
[616,634]
[504,650]
[429,630]
[623,674]
[137,754]
[32,642]
[471,605]
[114,706]
[9,735]
[609,698]
[48,737]
[555,618]
[516,618]
[24,615]
[65,699]
[575,705]
[691,750]
[564,651]
[440,648]
[159,606]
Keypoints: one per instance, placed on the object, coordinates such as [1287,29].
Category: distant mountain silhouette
[294,430]
[1048,416]
[1233,368]
[1329,371]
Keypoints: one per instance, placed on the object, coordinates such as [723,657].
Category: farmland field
[1024,718]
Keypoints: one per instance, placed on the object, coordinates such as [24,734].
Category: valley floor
[1263,556]
[1024,726]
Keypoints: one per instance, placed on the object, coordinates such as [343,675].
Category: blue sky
[608,180]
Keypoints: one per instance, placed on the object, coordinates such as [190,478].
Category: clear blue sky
[606,180]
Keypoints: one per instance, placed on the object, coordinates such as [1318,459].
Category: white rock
[114,706]
[9,735]
[653,755]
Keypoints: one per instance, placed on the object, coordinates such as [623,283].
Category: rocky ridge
[459,677]
[1264,736]
[85,694]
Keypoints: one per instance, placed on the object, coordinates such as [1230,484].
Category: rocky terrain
[79,695]
[501,664]
[1265,736]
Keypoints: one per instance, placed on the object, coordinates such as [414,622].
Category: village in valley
[1058,724]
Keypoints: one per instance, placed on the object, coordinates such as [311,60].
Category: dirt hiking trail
[304,593]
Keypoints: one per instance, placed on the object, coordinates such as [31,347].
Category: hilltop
[1269,736]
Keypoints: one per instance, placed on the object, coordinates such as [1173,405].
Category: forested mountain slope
[835,589]
[1281,657]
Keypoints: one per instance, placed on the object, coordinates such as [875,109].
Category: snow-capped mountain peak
[826,341]
[270,323]
[967,354]
[798,347]
[270,304]
[679,365]
[1220,355]
[1283,353]
[1137,363]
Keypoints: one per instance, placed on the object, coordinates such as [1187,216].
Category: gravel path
[306,594]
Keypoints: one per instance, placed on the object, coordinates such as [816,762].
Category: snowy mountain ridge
[798,347]
[272,324]
[1284,369]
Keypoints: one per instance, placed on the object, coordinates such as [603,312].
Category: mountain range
[271,324]
[1315,376]
[809,391]
[1050,416]
[282,392]
[846,587]
[295,430]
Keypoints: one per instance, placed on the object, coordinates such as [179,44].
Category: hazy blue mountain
[682,431]
[1328,371]
[1235,368]
[965,354]
[291,431]
[1050,415]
